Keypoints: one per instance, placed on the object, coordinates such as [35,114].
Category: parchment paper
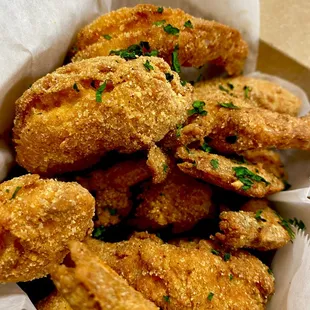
[35,36]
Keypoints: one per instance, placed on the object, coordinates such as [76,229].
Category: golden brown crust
[207,41]
[59,129]
[181,277]
[257,227]
[54,301]
[38,218]
[219,170]
[92,284]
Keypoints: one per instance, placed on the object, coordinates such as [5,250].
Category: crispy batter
[58,128]
[257,227]
[54,301]
[181,277]
[206,41]
[180,201]
[38,218]
[92,284]
[219,170]
[112,189]
[257,92]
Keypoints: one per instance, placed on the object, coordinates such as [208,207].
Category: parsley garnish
[159,23]
[246,90]
[258,216]
[214,163]
[175,60]
[112,211]
[231,86]
[107,37]
[247,177]
[205,147]
[183,83]
[166,298]
[227,257]
[285,224]
[160,9]
[198,108]
[215,252]
[222,88]
[17,189]
[297,223]
[7,190]
[169,76]
[228,105]
[270,271]
[231,139]
[75,87]
[231,277]
[165,168]
[172,30]
[98,232]
[179,127]
[188,24]
[99,92]
[210,296]
[148,66]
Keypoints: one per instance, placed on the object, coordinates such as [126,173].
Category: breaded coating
[71,117]
[245,179]
[38,218]
[181,277]
[257,227]
[54,301]
[180,201]
[111,189]
[92,284]
[257,92]
[199,40]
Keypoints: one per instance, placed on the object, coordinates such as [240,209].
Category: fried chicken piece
[245,179]
[257,92]
[54,301]
[112,189]
[71,117]
[180,201]
[92,284]
[181,277]
[38,218]
[199,40]
[257,227]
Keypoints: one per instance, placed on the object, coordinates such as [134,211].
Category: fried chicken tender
[92,284]
[257,227]
[112,189]
[38,218]
[71,117]
[180,201]
[181,277]
[203,41]
[257,92]
[245,179]
[54,301]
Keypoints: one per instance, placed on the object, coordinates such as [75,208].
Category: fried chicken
[257,226]
[91,284]
[257,92]
[245,179]
[180,201]
[68,119]
[199,41]
[112,189]
[38,218]
[194,277]
[54,301]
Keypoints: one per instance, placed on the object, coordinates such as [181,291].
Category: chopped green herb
[17,189]
[7,190]
[153,53]
[158,235]
[270,271]
[210,296]
[199,78]
[228,105]
[107,37]
[231,86]
[205,147]
[183,83]
[188,24]
[187,149]
[159,23]
[222,88]
[171,30]
[227,257]
[284,223]
[166,298]
[231,277]
[160,9]
[297,223]
[148,66]
[75,48]
[258,216]
[247,91]
[179,127]
[169,76]
[112,211]
[99,92]
[247,177]
[165,168]
[215,252]
[198,108]
[98,232]
[75,87]
[287,185]
[30,85]
[231,139]
[214,163]
[175,60]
